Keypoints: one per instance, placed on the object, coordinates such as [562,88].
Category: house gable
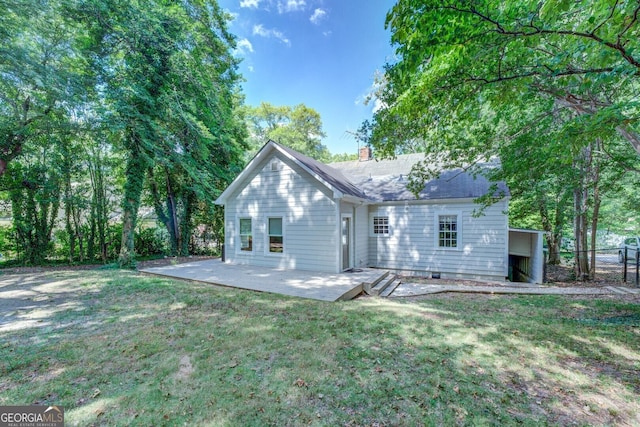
[286,213]
[324,175]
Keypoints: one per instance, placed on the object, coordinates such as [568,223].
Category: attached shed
[526,256]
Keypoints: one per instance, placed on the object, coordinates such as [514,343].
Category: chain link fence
[613,266]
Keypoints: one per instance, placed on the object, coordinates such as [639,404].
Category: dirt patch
[159,262]
[185,369]
[26,291]
[606,275]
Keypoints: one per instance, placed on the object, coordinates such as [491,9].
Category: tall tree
[298,127]
[461,63]
[481,78]
[40,72]
[169,82]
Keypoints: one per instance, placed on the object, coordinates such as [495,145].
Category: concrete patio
[304,284]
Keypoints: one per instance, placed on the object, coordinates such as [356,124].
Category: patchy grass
[117,348]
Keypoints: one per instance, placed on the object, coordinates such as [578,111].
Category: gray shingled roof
[401,165]
[386,180]
[327,173]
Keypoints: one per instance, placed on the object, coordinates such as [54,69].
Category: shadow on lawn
[155,351]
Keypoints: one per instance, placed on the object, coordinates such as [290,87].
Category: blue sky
[321,53]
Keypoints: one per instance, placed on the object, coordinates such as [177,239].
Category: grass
[126,349]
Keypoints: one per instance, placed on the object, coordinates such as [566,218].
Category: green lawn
[126,349]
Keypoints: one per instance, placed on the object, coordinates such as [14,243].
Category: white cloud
[371,96]
[244,46]
[250,3]
[291,5]
[318,14]
[259,30]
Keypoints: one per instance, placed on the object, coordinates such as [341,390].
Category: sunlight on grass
[177,306]
[90,413]
[403,309]
[622,351]
[151,351]
[616,349]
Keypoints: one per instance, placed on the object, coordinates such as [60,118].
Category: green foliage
[151,241]
[35,199]
[473,75]
[299,128]
[97,95]
[7,245]
[41,73]
[549,88]
[171,95]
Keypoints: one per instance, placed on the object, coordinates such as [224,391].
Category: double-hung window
[379,225]
[246,235]
[276,237]
[448,231]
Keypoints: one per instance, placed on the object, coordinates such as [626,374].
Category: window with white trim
[276,236]
[380,225]
[246,234]
[448,231]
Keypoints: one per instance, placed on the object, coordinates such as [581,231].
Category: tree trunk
[553,233]
[163,216]
[174,225]
[581,259]
[134,176]
[595,179]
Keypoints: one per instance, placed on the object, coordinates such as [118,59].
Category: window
[380,225]
[246,235]
[448,231]
[276,242]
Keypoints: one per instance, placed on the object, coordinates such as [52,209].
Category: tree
[35,188]
[40,72]
[539,85]
[299,128]
[170,89]
[460,61]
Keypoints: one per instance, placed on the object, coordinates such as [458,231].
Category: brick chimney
[365,154]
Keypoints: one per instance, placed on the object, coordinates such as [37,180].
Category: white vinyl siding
[361,228]
[413,246]
[308,215]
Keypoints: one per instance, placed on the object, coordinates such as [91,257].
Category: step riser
[380,288]
[387,292]
[369,287]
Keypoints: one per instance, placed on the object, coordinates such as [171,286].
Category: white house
[286,210]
